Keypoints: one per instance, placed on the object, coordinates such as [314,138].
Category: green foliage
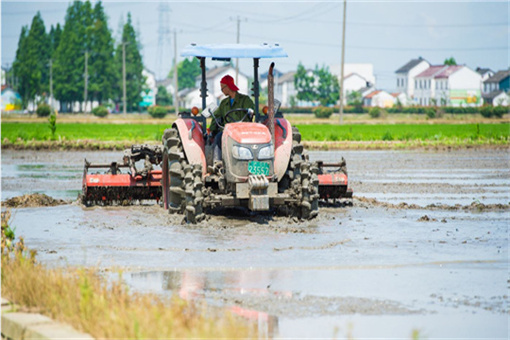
[187,71]
[101,66]
[450,61]
[100,111]
[430,112]
[43,110]
[486,111]
[319,86]
[355,99]
[328,90]
[157,111]
[323,112]
[304,84]
[163,97]
[134,66]
[375,112]
[499,111]
[52,124]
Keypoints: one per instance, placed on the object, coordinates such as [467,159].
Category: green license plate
[258,168]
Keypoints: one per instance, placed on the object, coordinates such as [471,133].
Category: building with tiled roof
[499,81]
[379,98]
[497,97]
[406,74]
[455,85]
[486,73]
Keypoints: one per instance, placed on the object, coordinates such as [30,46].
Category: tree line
[79,62]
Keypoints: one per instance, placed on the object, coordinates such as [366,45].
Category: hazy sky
[386,34]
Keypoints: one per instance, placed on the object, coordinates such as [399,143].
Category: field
[117,131]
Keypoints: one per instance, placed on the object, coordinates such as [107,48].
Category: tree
[54,37]
[327,90]
[134,79]
[187,71]
[304,84]
[68,70]
[450,61]
[163,97]
[355,99]
[101,66]
[20,66]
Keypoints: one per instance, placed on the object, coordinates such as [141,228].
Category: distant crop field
[499,133]
[404,132]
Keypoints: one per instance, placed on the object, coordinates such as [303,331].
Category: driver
[234,100]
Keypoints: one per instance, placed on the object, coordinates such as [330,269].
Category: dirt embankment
[32,200]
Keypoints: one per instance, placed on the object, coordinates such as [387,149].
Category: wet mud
[33,200]
[424,246]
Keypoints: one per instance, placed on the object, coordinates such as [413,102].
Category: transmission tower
[162,53]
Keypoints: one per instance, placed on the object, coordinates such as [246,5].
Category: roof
[410,65]
[215,71]
[372,94]
[227,51]
[396,94]
[497,77]
[165,82]
[483,70]
[365,89]
[289,76]
[449,71]
[431,71]
[354,74]
[493,94]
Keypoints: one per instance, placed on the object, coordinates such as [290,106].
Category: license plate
[258,168]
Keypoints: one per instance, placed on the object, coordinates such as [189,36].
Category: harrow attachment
[333,180]
[113,187]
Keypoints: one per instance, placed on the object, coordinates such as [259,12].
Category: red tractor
[264,165]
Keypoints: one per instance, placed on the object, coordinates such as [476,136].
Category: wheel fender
[283,146]
[192,139]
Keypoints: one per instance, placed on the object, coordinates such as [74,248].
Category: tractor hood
[248,133]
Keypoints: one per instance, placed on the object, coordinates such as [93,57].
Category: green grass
[405,132]
[499,133]
[76,131]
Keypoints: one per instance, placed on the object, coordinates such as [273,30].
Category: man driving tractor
[234,100]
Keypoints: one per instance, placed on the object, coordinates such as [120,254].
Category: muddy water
[361,271]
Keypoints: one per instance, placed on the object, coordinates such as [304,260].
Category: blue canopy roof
[225,51]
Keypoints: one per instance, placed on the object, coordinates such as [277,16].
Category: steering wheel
[228,119]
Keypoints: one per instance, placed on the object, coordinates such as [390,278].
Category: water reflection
[234,290]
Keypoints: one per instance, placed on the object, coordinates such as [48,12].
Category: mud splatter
[33,200]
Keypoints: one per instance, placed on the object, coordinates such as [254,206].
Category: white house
[4,80]
[486,73]
[458,85]
[11,100]
[284,89]
[400,97]
[366,71]
[379,98]
[407,73]
[495,98]
[151,89]
[353,82]
[425,85]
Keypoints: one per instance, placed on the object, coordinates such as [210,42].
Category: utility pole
[342,69]
[176,85]
[51,84]
[85,92]
[238,41]
[124,77]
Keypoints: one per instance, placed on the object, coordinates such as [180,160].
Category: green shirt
[241,101]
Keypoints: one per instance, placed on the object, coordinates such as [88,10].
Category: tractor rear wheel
[174,161]
[182,182]
[301,181]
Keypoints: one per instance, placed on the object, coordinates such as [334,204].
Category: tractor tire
[182,182]
[301,180]
[194,198]
[173,164]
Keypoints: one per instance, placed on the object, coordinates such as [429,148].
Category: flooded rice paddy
[437,264]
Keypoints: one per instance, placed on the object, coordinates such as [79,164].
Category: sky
[386,34]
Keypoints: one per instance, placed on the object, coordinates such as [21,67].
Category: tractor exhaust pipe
[270,101]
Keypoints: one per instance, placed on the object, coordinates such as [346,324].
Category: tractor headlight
[266,152]
[242,153]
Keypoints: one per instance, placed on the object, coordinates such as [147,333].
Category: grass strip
[94,136]
[85,300]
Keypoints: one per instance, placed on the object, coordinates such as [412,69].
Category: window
[416,83]
[430,82]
